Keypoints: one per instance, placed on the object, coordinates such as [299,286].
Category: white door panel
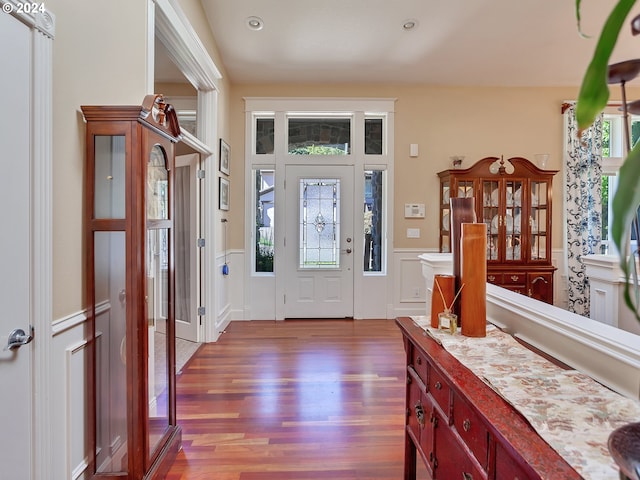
[15,244]
[319,242]
[186,235]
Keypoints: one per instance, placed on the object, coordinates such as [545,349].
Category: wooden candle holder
[473,261]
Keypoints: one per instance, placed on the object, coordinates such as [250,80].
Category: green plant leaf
[594,92]
[625,205]
[579,19]
[578,2]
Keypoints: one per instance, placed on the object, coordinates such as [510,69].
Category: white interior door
[15,248]
[186,235]
[319,242]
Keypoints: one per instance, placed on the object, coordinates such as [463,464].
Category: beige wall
[99,57]
[444,121]
[472,121]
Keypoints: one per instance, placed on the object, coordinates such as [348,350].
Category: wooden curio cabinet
[132,431]
[513,198]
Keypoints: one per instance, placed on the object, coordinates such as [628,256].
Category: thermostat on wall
[414,210]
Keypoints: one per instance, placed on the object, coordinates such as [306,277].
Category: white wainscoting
[560,298]
[69,358]
[409,285]
[228,294]
[606,283]
[402,292]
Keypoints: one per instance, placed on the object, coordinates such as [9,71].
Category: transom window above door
[319,135]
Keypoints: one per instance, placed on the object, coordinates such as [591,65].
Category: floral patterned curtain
[583,202]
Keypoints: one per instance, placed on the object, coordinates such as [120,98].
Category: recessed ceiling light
[255,23]
[410,24]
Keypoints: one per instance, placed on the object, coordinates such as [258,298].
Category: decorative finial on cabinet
[457,161]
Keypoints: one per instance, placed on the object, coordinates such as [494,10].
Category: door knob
[17,338]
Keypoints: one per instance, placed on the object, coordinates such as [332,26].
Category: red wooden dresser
[460,428]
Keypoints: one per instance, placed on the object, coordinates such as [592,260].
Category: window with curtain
[612,158]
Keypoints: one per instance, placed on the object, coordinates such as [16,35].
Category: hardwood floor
[296,399]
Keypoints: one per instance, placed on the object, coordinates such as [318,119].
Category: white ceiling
[456,42]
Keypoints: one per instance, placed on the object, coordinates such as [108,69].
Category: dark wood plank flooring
[296,399]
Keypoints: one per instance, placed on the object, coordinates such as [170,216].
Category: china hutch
[513,198]
[132,431]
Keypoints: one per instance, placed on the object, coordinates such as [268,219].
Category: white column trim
[42,250]
[40,21]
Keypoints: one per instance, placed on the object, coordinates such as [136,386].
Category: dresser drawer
[471,430]
[495,278]
[452,460]
[514,278]
[419,362]
[439,390]
[508,468]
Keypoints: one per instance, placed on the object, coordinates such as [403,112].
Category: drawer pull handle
[466,425]
[420,414]
[419,361]
[492,278]
[515,278]
[438,386]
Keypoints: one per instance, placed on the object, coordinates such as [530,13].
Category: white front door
[319,241]
[186,236]
[16,394]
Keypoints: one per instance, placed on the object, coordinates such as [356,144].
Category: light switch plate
[413,233]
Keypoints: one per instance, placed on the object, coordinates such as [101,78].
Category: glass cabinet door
[445,216]
[109,177]
[157,277]
[513,220]
[110,308]
[490,216]
[538,220]
[109,304]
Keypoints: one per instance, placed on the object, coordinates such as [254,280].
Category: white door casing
[319,292]
[171,27]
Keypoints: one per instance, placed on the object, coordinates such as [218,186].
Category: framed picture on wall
[225,154]
[223,194]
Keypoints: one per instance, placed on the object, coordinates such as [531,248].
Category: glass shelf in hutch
[513,198]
